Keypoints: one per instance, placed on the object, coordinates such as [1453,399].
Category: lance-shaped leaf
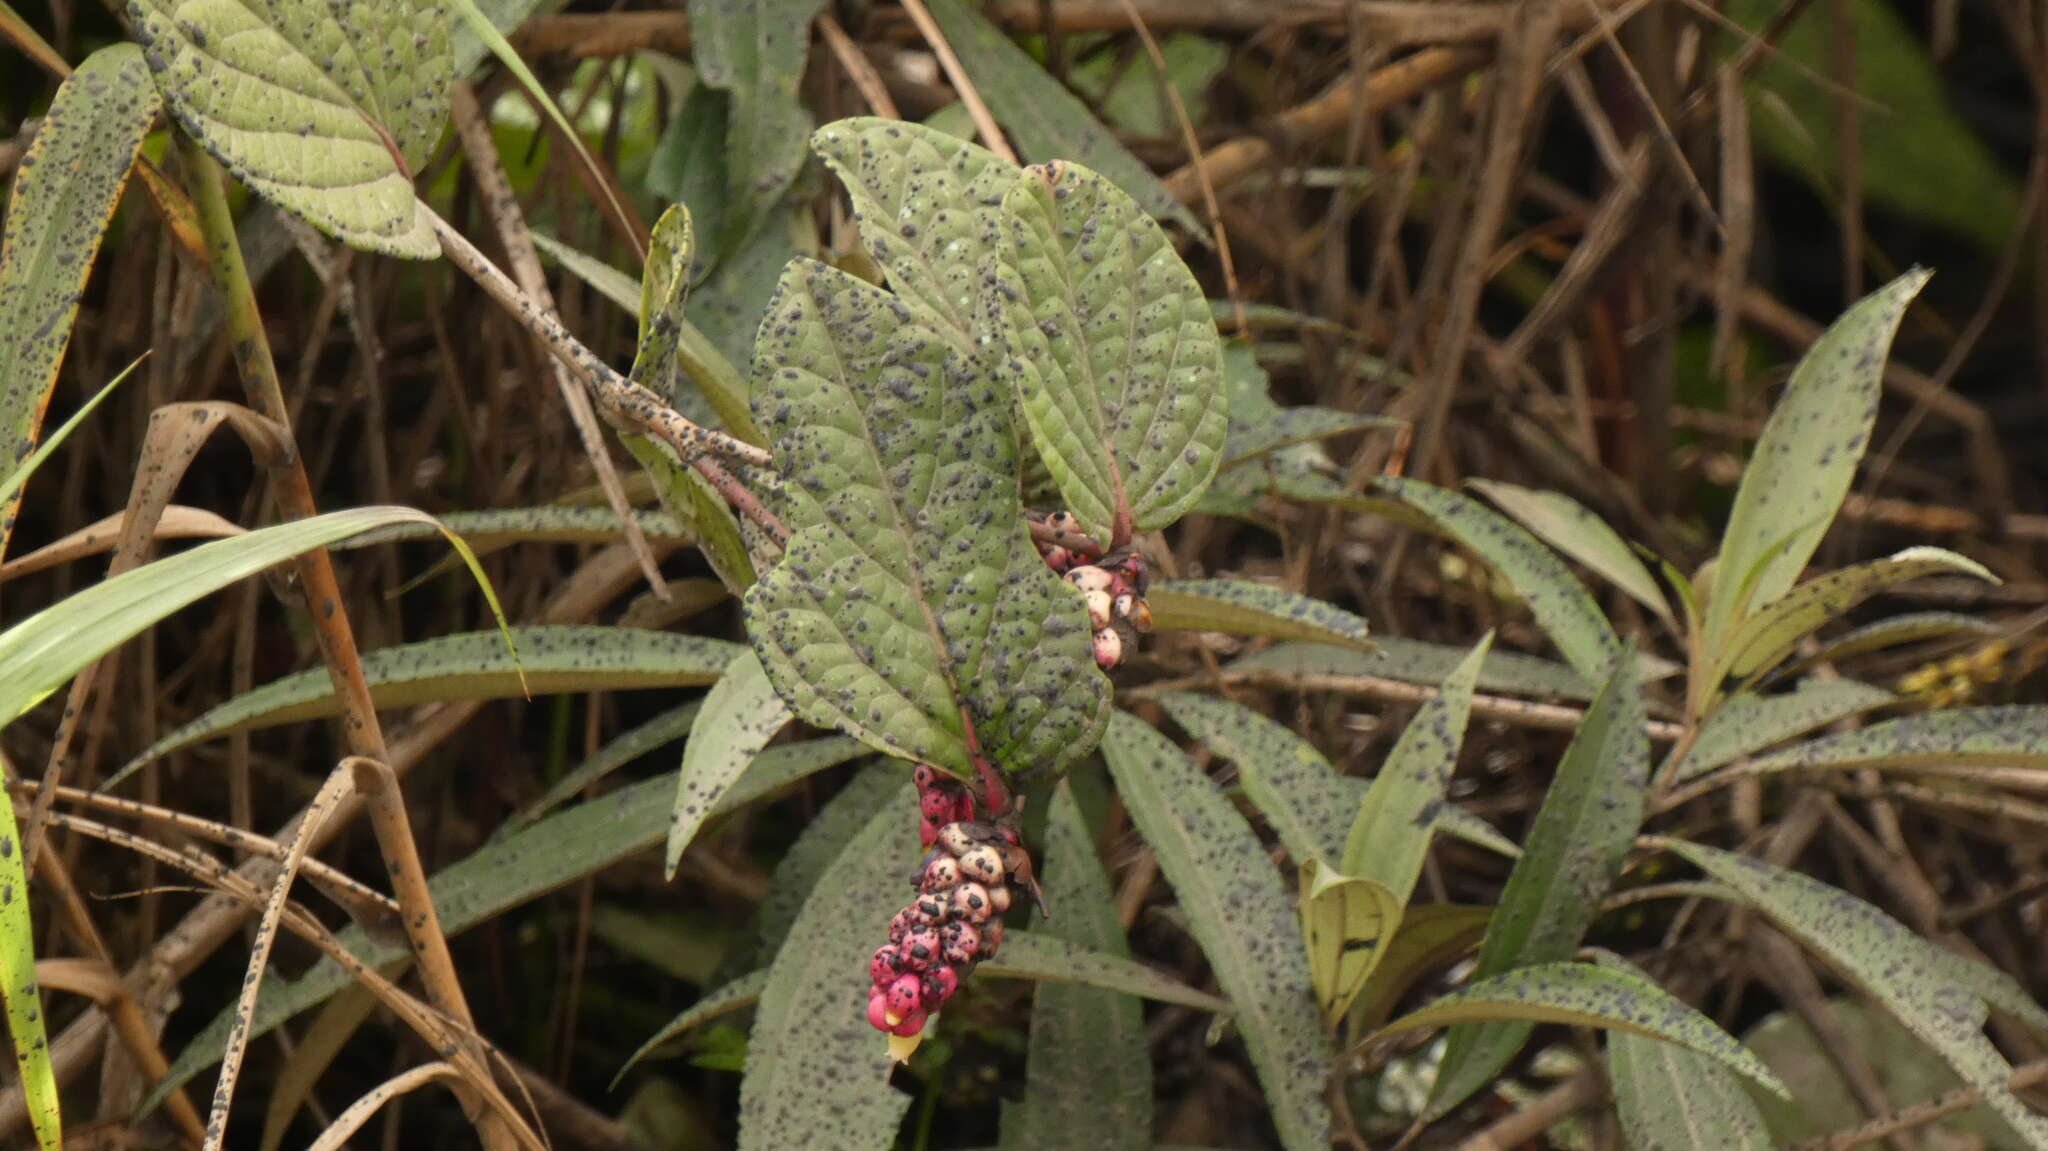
[325,108]
[1568,526]
[668,341]
[1108,340]
[1241,916]
[1419,661]
[1807,455]
[1432,937]
[1749,723]
[471,665]
[1088,1075]
[1911,627]
[2009,736]
[1573,852]
[798,871]
[557,850]
[1292,427]
[755,50]
[667,727]
[736,995]
[741,714]
[65,190]
[1942,997]
[1555,597]
[1242,607]
[23,996]
[926,204]
[489,531]
[910,601]
[1770,632]
[1589,996]
[1675,1099]
[1286,778]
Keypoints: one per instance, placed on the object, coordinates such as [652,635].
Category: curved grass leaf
[22,993]
[1088,1075]
[1287,779]
[1461,824]
[1238,912]
[1555,597]
[736,995]
[324,108]
[1565,524]
[1242,607]
[926,204]
[1116,363]
[1048,121]
[1574,850]
[65,191]
[2010,736]
[609,282]
[1770,633]
[910,601]
[1673,1099]
[817,1075]
[663,729]
[755,50]
[1588,996]
[557,850]
[741,714]
[471,665]
[1939,995]
[1749,723]
[669,344]
[1910,627]
[1807,456]
[1419,661]
[26,468]
[489,531]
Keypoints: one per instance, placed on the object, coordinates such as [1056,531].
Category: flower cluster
[955,922]
[1114,587]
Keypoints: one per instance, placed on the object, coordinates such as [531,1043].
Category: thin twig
[859,68]
[984,121]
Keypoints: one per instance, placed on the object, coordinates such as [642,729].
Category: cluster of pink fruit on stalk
[963,889]
[1114,587]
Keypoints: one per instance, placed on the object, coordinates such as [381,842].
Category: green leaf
[1432,937]
[1291,427]
[1240,915]
[1555,597]
[817,1075]
[1418,661]
[741,714]
[1346,922]
[1807,456]
[1573,852]
[325,108]
[756,51]
[558,850]
[1910,627]
[23,995]
[2010,736]
[469,665]
[1939,995]
[1109,343]
[663,729]
[1286,778]
[823,838]
[34,459]
[1565,524]
[1088,1074]
[1051,959]
[1048,121]
[1674,1099]
[696,505]
[1242,607]
[65,191]
[926,204]
[1588,996]
[910,600]
[1389,838]
[488,531]
[1748,723]
[607,281]
[737,995]
[1768,635]
[670,344]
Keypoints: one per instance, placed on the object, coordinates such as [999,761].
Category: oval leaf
[1749,723]
[1241,607]
[1238,912]
[910,600]
[741,714]
[324,107]
[1110,347]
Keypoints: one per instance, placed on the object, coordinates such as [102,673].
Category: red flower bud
[935,805]
[927,832]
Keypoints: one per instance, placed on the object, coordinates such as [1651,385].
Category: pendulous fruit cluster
[963,886]
[1114,587]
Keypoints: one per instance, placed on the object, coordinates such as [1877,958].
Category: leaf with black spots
[1748,723]
[1568,526]
[741,714]
[2014,735]
[1241,607]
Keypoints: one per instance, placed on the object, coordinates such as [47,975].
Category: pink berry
[932,908]
[982,864]
[1058,558]
[970,902]
[963,809]
[1089,578]
[999,898]
[902,925]
[956,838]
[935,805]
[925,775]
[878,1008]
[1099,606]
[939,985]
[906,995]
[921,948]
[1139,613]
[1109,649]
[911,1025]
[927,832]
[960,942]
[885,965]
[940,874]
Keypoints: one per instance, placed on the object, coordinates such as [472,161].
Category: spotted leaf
[1285,777]
[1242,607]
[1111,349]
[2009,736]
[65,191]
[741,714]
[1241,916]
[1807,455]
[755,50]
[325,107]
[1749,723]
[1418,661]
[1673,1099]
[910,601]
[1568,526]
[1769,634]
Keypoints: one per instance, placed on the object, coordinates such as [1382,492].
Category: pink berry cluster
[963,889]
[1114,587]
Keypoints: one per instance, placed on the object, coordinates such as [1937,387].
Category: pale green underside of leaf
[1805,460]
[1770,633]
[1560,603]
[741,714]
[1110,348]
[1239,913]
[910,590]
[699,509]
[1748,723]
[1088,1074]
[755,50]
[65,191]
[488,531]
[1049,122]
[1568,526]
[1242,607]
[1589,996]
[471,665]
[1573,852]
[1673,1099]
[295,97]
[2009,736]
[1286,778]
[557,850]
[1939,995]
